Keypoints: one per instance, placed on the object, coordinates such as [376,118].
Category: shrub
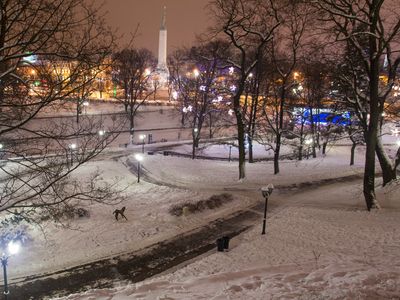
[66,212]
[212,202]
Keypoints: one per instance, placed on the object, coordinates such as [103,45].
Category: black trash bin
[226,240]
[220,244]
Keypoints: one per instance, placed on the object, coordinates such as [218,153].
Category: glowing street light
[147,72]
[101,134]
[139,158]
[72,148]
[175,95]
[308,143]
[85,104]
[196,73]
[13,248]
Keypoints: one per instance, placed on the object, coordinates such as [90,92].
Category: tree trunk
[277,153]
[194,149]
[210,132]
[242,154]
[314,150]
[388,169]
[78,108]
[300,154]
[324,144]
[369,171]
[353,148]
[371,134]
[131,124]
[250,145]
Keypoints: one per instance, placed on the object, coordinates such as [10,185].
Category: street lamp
[72,148]
[266,192]
[142,137]
[139,158]
[175,95]
[85,104]
[101,134]
[147,72]
[13,248]
[308,143]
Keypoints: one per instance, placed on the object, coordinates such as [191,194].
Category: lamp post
[139,158]
[142,137]
[85,104]
[72,148]
[101,134]
[308,143]
[230,152]
[266,192]
[13,248]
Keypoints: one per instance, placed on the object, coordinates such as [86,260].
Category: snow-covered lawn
[308,253]
[320,242]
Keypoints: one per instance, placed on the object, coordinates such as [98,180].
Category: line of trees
[263,66]
[308,55]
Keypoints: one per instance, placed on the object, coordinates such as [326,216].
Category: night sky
[185,19]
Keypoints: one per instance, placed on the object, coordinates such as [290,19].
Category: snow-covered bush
[214,201]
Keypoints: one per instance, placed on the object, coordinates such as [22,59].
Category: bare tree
[178,69]
[133,69]
[198,89]
[370,28]
[37,39]
[285,51]
[249,26]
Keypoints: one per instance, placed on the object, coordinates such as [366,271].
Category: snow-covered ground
[319,243]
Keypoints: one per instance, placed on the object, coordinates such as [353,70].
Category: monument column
[162,68]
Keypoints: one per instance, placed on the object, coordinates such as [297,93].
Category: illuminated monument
[162,68]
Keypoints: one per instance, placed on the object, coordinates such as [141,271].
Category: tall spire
[162,67]
[164,19]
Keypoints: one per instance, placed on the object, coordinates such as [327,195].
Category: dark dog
[119,212]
